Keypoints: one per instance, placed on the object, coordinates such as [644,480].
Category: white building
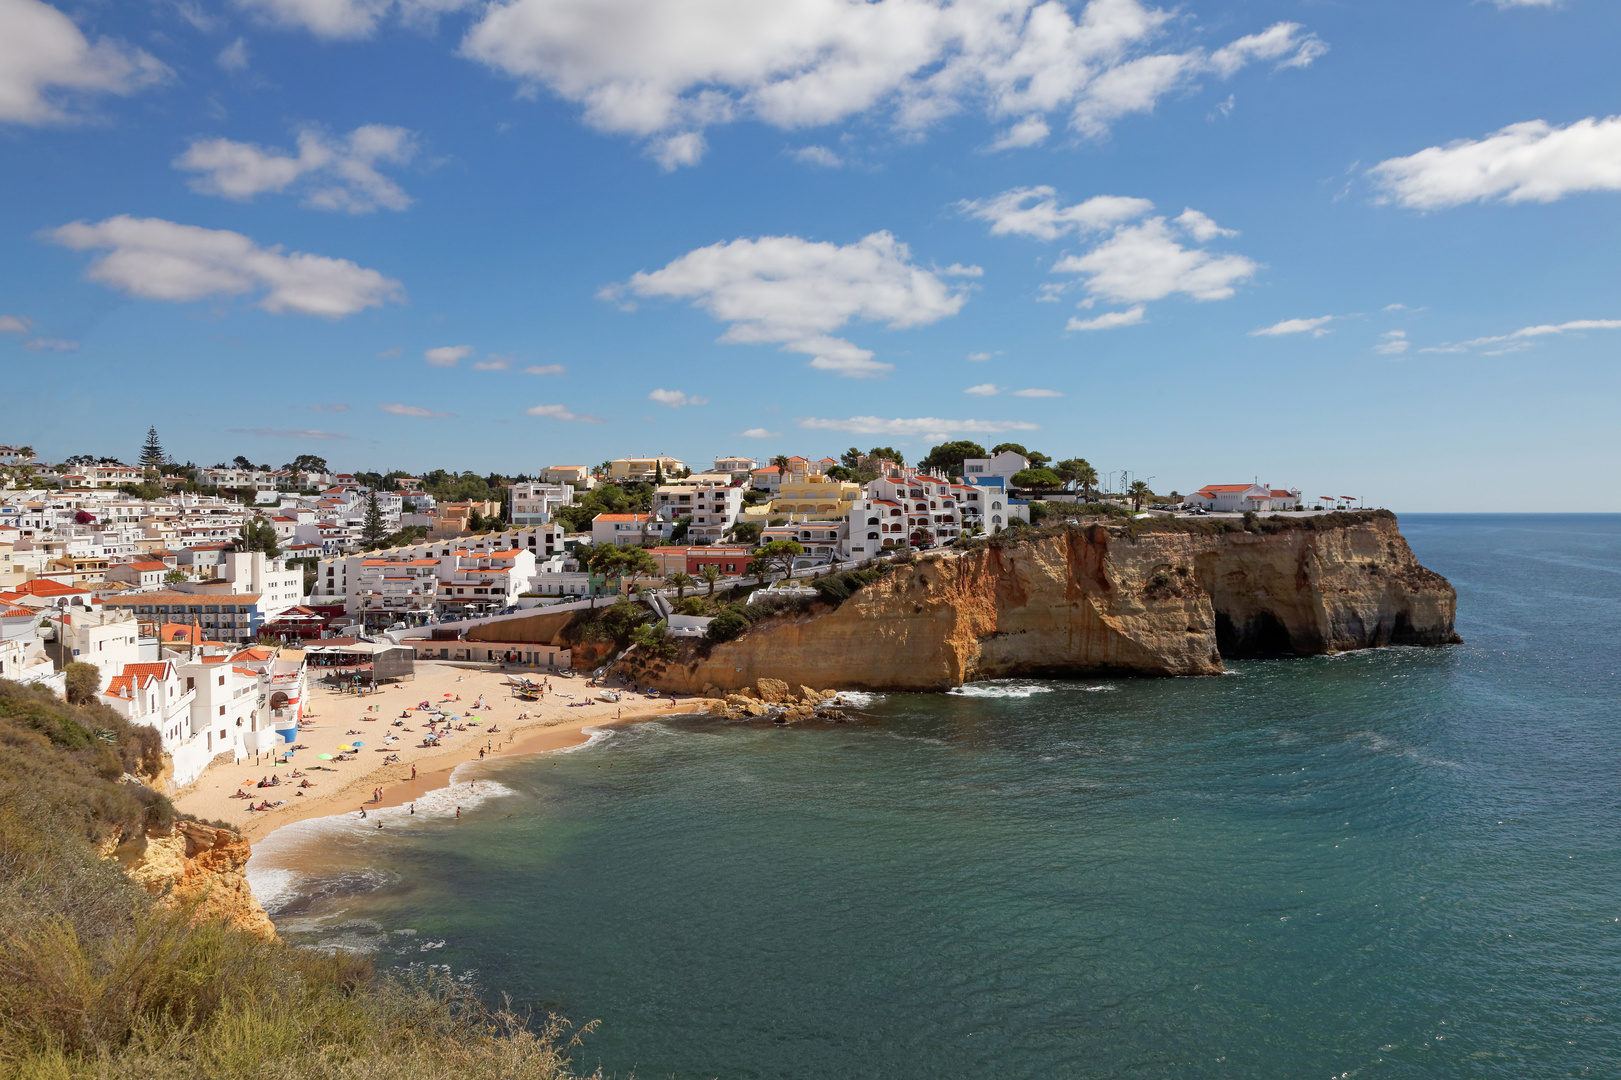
[1237,498]
[629,529]
[534,503]
[107,637]
[714,506]
[912,509]
[1003,466]
[153,694]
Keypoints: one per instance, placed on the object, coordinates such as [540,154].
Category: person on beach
[362,811]
[458,813]
[413,808]
[413,772]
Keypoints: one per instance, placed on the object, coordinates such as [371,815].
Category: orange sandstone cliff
[1098,599]
[198,864]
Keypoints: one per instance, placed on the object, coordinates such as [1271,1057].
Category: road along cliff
[1142,599]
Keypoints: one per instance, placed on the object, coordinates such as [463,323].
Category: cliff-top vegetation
[97,980]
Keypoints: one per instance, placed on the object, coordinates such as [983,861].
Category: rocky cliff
[1099,599]
[202,864]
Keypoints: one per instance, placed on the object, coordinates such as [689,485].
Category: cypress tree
[373,530]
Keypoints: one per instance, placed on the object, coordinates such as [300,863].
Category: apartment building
[576,476]
[629,529]
[643,469]
[474,583]
[533,503]
[912,509]
[715,506]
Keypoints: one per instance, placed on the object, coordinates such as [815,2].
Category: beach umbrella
[359,743]
[324,757]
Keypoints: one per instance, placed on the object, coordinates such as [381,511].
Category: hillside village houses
[157,595]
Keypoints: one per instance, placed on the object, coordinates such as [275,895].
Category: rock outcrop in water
[1099,599]
[198,864]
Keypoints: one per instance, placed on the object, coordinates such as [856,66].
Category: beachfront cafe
[350,660]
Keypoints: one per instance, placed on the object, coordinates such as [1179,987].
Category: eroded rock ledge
[198,864]
[1095,599]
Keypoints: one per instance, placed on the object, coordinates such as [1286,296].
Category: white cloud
[923,425]
[1395,307]
[1140,260]
[561,412]
[335,19]
[493,362]
[675,399]
[161,260]
[446,355]
[667,69]
[46,63]
[391,354]
[1526,3]
[290,433]
[1527,162]
[1030,131]
[15,324]
[1394,343]
[51,344]
[1035,392]
[979,357]
[1110,320]
[674,151]
[545,369]
[818,155]
[1145,262]
[335,407]
[338,173]
[1034,211]
[1523,338]
[794,292]
[234,57]
[418,411]
[759,433]
[988,389]
[1200,227]
[1315,327]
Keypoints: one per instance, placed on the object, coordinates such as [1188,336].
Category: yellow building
[642,469]
[815,493]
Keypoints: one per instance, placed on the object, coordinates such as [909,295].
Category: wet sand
[551,725]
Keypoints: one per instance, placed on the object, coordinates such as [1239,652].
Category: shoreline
[551,725]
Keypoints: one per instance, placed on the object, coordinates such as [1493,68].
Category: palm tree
[681,580]
[781,462]
[711,574]
[1138,491]
[1086,476]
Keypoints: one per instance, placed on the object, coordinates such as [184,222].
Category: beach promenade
[339,719]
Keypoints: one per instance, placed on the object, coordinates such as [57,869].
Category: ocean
[1394,863]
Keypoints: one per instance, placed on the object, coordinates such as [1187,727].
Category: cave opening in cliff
[1260,635]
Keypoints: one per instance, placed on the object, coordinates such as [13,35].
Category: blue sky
[497,236]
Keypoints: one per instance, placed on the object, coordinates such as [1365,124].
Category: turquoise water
[1398,863]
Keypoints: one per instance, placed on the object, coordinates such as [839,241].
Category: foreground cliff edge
[1143,598]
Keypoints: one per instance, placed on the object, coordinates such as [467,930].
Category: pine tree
[152,455]
[373,530]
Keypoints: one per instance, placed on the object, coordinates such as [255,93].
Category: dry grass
[97,982]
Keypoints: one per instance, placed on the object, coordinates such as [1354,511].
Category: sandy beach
[339,719]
